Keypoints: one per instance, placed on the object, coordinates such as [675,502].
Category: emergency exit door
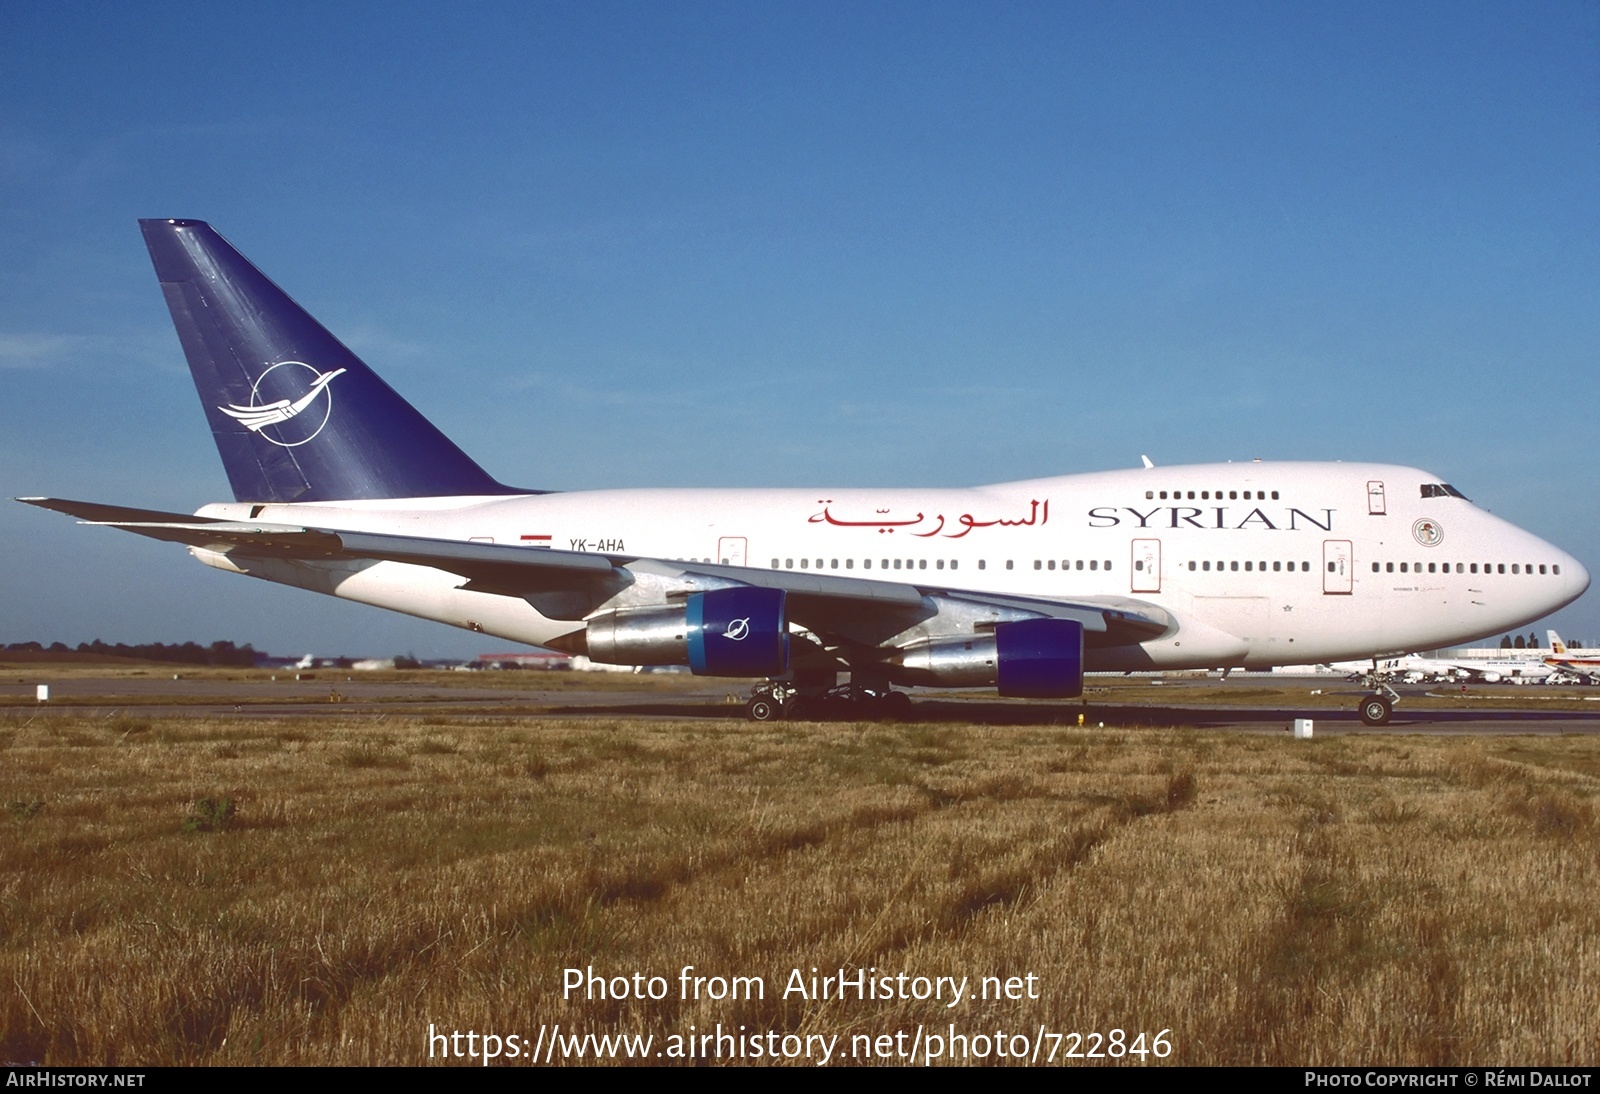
[1338,571]
[730,550]
[1146,566]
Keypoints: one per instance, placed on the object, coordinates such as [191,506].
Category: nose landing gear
[1376,710]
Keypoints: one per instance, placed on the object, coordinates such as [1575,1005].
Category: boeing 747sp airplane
[340,486]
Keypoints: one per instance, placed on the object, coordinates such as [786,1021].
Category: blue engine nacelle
[1025,659]
[726,632]
[1040,658]
[738,632]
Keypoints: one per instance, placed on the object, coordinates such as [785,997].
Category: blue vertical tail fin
[295,414]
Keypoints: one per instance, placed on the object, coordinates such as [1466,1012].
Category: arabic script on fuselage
[885,522]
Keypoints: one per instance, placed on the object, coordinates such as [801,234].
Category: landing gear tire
[1376,710]
[896,706]
[763,709]
[800,710]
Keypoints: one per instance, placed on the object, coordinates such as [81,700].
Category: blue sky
[613,244]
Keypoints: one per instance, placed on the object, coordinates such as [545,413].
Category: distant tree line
[1532,643]
[185,653]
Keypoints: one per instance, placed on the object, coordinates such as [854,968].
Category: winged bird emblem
[257,418]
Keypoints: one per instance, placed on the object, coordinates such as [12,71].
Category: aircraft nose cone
[1574,579]
[1579,580]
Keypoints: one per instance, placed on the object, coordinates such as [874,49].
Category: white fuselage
[1259,563]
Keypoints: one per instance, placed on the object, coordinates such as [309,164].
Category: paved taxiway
[331,694]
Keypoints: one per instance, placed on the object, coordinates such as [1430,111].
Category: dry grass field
[322,890]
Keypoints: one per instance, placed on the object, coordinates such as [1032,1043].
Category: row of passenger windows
[1463,568]
[1206,566]
[1207,495]
[866,564]
[1277,567]
[938,564]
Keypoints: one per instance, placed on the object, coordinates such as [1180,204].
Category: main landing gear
[779,700]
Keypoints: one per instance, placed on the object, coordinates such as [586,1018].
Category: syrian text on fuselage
[923,525]
[1210,517]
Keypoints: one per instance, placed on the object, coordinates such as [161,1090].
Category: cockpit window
[1441,490]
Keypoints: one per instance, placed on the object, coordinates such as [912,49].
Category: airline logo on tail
[281,395]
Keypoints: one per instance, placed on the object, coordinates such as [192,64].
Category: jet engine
[1025,659]
[724,632]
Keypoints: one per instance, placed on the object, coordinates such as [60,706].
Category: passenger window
[1094,563]
[1233,566]
[1009,564]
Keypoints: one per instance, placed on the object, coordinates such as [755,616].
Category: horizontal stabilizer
[97,513]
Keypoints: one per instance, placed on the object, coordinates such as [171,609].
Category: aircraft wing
[854,610]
